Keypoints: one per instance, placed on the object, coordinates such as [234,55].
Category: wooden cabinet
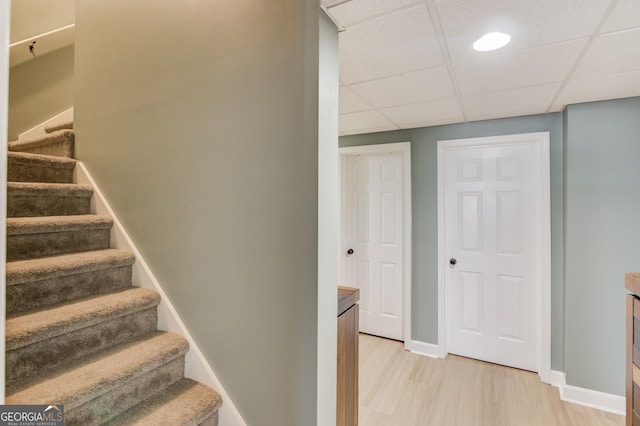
[347,391]
[632,283]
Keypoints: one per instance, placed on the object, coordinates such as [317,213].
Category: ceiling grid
[408,63]
[596,33]
[437,24]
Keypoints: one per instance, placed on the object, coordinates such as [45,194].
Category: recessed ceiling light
[491,41]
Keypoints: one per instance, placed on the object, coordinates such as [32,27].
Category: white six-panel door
[493,235]
[374,231]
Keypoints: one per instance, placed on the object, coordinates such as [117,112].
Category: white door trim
[544,247]
[5,12]
[403,148]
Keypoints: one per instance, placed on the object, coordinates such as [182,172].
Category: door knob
[349,252]
[453,261]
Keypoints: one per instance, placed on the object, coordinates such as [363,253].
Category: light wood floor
[398,388]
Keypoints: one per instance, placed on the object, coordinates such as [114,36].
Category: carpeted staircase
[77,332]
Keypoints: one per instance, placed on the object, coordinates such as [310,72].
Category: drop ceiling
[408,63]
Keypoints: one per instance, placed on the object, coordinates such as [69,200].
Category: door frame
[543,280]
[5,19]
[404,148]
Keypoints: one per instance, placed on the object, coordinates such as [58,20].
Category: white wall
[328,220]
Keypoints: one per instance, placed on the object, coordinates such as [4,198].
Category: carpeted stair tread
[25,167]
[186,402]
[25,199]
[101,373]
[42,188]
[38,225]
[59,143]
[55,127]
[37,237]
[24,271]
[34,327]
[37,283]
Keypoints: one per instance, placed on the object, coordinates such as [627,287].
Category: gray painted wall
[199,122]
[424,287]
[40,89]
[602,232]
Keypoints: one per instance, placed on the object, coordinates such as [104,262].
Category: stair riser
[30,206]
[19,170]
[211,421]
[60,126]
[60,148]
[45,355]
[39,294]
[183,403]
[31,246]
[107,406]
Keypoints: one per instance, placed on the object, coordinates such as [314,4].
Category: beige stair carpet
[60,126]
[77,332]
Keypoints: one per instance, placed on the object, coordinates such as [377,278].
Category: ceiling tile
[394,44]
[530,23]
[600,88]
[542,65]
[364,122]
[513,102]
[444,111]
[360,10]
[611,54]
[350,102]
[424,85]
[625,16]
[395,75]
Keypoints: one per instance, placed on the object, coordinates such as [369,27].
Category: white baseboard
[611,403]
[196,366]
[422,348]
[557,379]
[37,131]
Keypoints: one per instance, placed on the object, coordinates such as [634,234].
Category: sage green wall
[602,232]
[40,89]
[199,122]
[424,287]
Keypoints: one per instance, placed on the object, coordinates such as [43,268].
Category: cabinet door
[347,403]
[633,360]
